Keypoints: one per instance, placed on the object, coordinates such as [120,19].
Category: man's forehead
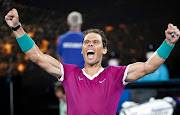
[92,36]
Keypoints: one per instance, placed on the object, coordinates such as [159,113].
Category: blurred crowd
[128,39]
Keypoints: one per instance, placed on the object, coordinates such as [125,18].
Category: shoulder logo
[102,81]
[80,78]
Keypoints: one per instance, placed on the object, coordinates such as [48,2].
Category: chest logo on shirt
[80,78]
[102,81]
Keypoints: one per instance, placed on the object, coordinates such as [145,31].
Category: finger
[177,32]
[15,11]
[170,25]
[175,27]
[169,31]
[8,17]
[8,21]
[10,14]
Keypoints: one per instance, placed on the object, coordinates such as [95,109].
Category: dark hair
[101,33]
[59,87]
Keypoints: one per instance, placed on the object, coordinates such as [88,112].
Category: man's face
[59,95]
[92,48]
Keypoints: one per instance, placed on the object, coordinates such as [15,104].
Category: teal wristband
[25,42]
[164,50]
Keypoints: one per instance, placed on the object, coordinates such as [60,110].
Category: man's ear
[67,23]
[104,51]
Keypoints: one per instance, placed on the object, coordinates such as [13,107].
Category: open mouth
[90,54]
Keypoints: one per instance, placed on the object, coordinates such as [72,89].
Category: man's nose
[90,44]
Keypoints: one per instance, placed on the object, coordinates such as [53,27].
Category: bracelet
[17,27]
[25,42]
[164,50]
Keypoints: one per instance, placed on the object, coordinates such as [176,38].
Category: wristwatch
[17,27]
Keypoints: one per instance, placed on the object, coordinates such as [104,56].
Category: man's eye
[95,42]
[86,42]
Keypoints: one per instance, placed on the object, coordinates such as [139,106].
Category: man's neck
[92,69]
[74,29]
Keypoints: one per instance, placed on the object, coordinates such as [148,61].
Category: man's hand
[12,18]
[171,40]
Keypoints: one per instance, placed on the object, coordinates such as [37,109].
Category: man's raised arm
[140,69]
[48,63]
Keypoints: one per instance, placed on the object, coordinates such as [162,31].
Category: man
[60,94]
[69,45]
[92,90]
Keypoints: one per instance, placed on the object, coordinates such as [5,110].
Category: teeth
[90,54]
[90,51]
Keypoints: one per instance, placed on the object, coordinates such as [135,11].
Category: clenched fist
[169,38]
[12,18]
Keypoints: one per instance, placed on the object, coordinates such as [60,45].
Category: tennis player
[94,90]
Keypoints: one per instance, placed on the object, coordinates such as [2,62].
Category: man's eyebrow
[85,40]
[91,40]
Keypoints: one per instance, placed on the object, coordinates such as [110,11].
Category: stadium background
[130,25]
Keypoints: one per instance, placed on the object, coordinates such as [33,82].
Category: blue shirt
[69,48]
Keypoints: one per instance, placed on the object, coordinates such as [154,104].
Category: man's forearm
[27,44]
[19,32]
[153,63]
[159,56]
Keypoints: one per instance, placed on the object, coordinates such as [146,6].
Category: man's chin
[91,63]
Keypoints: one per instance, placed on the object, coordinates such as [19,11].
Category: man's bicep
[135,72]
[51,65]
[46,62]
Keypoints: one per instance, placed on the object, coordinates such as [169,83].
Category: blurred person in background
[161,74]
[69,45]
[60,94]
[114,59]
[93,89]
